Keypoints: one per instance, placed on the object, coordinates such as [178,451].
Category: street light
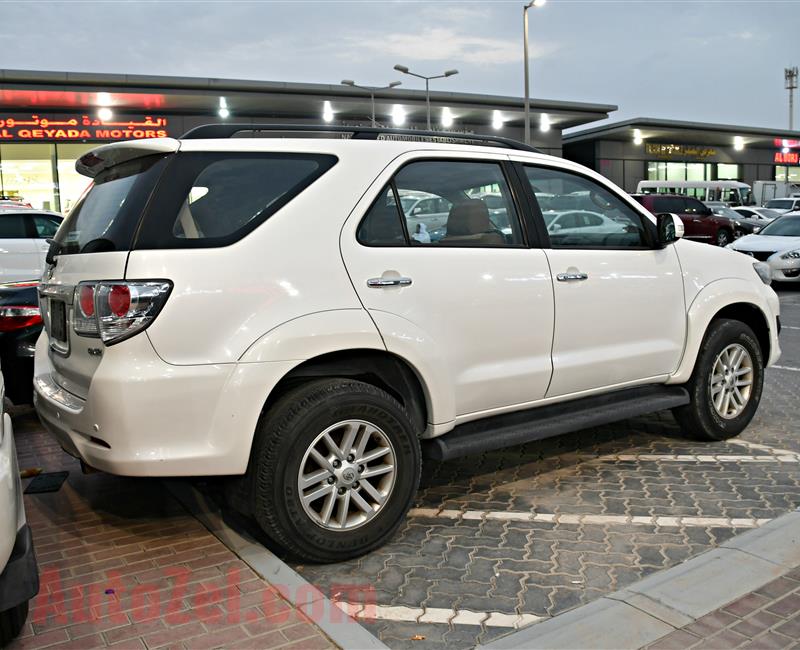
[371,90]
[447,73]
[533,3]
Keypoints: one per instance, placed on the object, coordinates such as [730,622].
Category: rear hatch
[93,243]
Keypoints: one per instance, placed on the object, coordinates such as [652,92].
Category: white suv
[258,308]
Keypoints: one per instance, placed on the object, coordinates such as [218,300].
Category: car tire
[729,370]
[724,237]
[339,437]
[11,622]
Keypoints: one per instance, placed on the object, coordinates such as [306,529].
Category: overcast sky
[709,61]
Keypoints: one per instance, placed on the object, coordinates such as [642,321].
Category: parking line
[792,368]
[435,615]
[760,447]
[571,518]
[788,457]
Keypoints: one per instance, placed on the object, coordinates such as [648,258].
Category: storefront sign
[50,128]
[679,150]
[788,158]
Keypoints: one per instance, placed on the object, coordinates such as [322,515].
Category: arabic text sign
[80,127]
[687,151]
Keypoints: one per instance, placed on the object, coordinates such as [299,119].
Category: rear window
[106,216]
[12,226]
[215,199]
[781,204]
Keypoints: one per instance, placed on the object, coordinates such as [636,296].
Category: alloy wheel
[347,475]
[731,381]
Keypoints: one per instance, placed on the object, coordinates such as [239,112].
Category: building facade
[652,149]
[49,119]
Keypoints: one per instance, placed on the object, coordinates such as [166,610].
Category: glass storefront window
[784,173]
[26,172]
[70,183]
[695,172]
[727,172]
[676,171]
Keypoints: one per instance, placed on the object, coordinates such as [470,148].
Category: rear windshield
[106,216]
[780,203]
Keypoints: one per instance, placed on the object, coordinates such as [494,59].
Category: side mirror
[670,228]
[555,227]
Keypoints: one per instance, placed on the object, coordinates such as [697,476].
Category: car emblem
[348,475]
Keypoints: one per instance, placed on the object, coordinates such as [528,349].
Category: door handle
[378,283]
[572,277]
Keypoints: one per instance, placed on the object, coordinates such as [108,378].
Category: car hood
[765,243]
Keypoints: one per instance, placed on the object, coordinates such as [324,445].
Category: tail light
[115,311]
[17,317]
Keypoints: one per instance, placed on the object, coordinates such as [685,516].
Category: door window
[604,220]
[444,203]
[692,206]
[46,227]
[12,226]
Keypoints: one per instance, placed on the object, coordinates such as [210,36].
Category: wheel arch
[727,298]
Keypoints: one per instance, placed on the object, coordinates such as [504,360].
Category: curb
[344,631]
[663,602]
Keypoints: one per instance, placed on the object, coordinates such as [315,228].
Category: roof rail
[213,131]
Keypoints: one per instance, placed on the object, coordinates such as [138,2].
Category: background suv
[698,219]
[260,308]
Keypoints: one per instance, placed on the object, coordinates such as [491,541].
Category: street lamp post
[447,73]
[533,3]
[371,90]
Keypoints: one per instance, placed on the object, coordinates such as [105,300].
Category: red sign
[779,142]
[789,158]
[83,127]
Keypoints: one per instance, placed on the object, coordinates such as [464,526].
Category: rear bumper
[145,417]
[19,581]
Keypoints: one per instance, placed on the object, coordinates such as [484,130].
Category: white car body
[781,253]
[754,212]
[784,205]
[22,257]
[184,397]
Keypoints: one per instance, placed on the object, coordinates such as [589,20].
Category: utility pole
[790,75]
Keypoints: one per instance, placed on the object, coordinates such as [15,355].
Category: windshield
[106,216]
[783,227]
[747,196]
[780,204]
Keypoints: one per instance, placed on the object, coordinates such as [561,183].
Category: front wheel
[336,467]
[725,387]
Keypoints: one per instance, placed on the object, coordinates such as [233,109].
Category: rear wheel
[724,237]
[336,467]
[11,622]
[725,387]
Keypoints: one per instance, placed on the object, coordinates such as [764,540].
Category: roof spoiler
[96,160]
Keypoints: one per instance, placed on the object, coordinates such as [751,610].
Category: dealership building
[49,119]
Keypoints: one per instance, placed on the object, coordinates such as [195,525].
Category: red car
[699,221]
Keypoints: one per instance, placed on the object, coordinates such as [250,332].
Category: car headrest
[469,217]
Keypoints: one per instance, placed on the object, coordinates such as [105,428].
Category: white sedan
[778,244]
[23,242]
[581,222]
[754,212]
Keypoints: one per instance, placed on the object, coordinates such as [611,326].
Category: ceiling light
[738,143]
[637,137]
[497,120]
[327,112]
[544,122]
[447,118]
[223,111]
[105,114]
[103,99]
[398,115]
[785,150]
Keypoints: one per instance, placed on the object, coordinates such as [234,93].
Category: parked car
[20,326]
[580,222]
[778,244]
[13,203]
[783,206]
[23,242]
[19,575]
[699,220]
[260,305]
[741,225]
[753,212]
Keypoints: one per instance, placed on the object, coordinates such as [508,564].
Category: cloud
[442,44]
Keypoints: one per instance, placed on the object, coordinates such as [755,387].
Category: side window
[445,203]
[12,226]
[381,226]
[46,227]
[692,206]
[607,221]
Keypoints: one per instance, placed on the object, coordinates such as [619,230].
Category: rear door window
[12,226]
[45,226]
[213,199]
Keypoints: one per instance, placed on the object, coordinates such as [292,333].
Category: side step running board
[552,420]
